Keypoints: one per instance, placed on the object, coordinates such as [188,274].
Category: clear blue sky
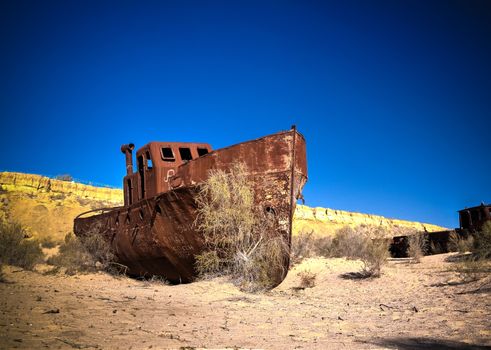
[393,97]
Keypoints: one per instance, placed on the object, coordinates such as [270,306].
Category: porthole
[270,211]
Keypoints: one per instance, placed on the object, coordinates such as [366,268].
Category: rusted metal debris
[472,219]
[471,222]
[153,233]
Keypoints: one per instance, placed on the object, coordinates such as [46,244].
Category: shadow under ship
[154,232]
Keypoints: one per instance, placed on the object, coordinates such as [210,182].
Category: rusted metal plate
[471,223]
[472,219]
[153,234]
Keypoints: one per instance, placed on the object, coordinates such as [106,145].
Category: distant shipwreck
[154,232]
[471,222]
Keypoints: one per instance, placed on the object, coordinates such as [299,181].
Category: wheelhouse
[156,165]
[473,219]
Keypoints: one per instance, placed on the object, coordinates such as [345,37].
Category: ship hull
[158,236]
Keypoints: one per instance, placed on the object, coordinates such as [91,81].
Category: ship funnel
[127,149]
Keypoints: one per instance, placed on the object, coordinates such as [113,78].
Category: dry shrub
[303,246]
[323,246]
[307,279]
[17,248]
[99,249]
[475,264]
[418,246]
[348,243]
[307,245]
[236,233]
[208,263]
[48,242]
[366,243]
[260,270]
[481,246]
[459,243]
[73,256]
[437,248]
[470,269]
[84,254]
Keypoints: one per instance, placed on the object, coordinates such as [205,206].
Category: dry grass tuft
[17,248]
[155,280]
[48,242]
[307,245]
[418,246]
[307,279]
[348,243]
[237,234]
[476,255]
[85,254]
[481,246]
[366,243]
[459,243]
[72,256]
[209,263]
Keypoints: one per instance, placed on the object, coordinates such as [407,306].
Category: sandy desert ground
[412,306]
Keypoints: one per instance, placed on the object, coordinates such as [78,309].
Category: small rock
[52,311]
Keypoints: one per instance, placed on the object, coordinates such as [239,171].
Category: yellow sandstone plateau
[47,207]
[325,221]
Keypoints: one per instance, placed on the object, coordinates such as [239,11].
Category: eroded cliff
[47,207]
[325,221]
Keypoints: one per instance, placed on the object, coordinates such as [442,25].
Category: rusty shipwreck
[154,232]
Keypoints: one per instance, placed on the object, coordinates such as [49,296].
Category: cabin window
[149,161]
[168,155]
[140,163]
[185,153]
[202,151]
